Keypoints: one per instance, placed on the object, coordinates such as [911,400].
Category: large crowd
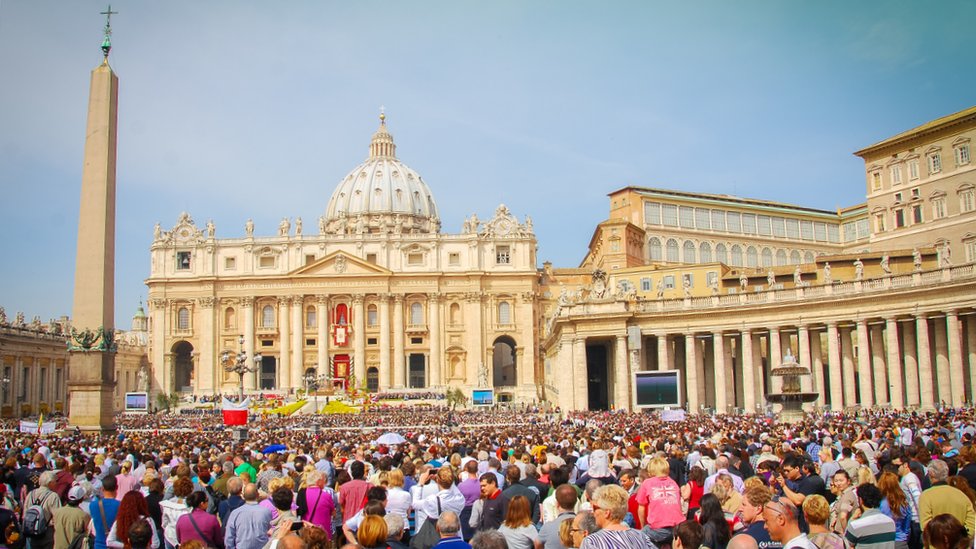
[398,477]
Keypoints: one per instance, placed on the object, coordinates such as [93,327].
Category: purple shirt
[208,525]
[471,489]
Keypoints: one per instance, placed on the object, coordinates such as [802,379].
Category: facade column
[748,373]
[359,339]
[434,312]
[878,364]
[399,373]
[284,381]
[957,377]
[663,353]
[729,374]
[580,393]
[925,386]
[864,365]
[157,312]
[298,341]
[384,342]
[322,335]
[805,360]
[565,373]
[971,348]
[834,365]
[847,367]
[760,372]
[911,365]
[204,380]
[691,373]
[721,398]
[894,364]
[247,303]
[472,336]
[943,379]
[775,357]
[621,379]
[816,359]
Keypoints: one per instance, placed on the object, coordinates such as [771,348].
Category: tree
[456,398]
[167,402]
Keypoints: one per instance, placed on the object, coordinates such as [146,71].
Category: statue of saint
[828,279]
[858,269]
[321,224]
[483,375]
[660,288]
[797,277]
[917,259]
[770,279]
[157,233]
[743,281]
[945,254]
[884,264]
[528,225]
[142,379]
[686,286]
[210,228]
[360,224]
[284,227]
[298,226]
[249,228]
[3,316]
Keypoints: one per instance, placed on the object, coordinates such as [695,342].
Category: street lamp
[5,381]
[312,381]
[238,363]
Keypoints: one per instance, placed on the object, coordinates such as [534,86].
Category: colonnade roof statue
[381,194]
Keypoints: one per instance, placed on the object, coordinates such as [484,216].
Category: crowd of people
[497,479]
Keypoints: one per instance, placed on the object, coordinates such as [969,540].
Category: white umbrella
[390,438]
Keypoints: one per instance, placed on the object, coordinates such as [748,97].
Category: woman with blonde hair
[659,501]
[372,532]
[273,485]
[398,500]
[816,510]
[865,476]
[517,526]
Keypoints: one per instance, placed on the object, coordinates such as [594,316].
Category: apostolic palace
[877,299]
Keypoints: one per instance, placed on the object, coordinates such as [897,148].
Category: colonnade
[899,361]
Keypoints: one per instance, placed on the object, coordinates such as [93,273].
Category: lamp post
[237,363]
[5,381]
[312,382]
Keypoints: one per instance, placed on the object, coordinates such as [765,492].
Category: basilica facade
[375,296]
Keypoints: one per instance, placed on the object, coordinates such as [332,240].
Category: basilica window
[230,263]
[267,317]
[266,261]
[183,319]
[672,249]
[654,249]
[182,261]
[7,374]
[705,252]
[689,252]
[416,314]
[415,258]
[455,314]
[372,316]
[454,259]
[503,255]
[230,322]
[504,313]
[24,381]
[311,318]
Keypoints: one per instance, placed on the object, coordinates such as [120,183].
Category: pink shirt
[662,498]
[127,483]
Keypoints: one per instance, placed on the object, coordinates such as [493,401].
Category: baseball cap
[76,493]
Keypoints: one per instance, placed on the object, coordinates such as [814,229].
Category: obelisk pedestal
[91,366]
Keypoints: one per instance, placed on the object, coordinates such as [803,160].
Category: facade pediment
[340,263]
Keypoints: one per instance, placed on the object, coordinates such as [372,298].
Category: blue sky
[238,109]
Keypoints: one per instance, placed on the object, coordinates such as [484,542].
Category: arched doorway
[372,379]
[182,366]
[503,363]
[597,380]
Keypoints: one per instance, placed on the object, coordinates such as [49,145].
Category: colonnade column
[398,343]
[721,401]
[864,364]
[848,365]
[957,377]
[925,386]
[911,366]
[691,373]
[748,373]
[298,340]
[581,376]
[775,357]
[284,344]
[700,372]
[942,376]
[321,334]
[833,358]
[384,342]
[434,313]
[971,347]
[803,343]
[247,303]
[621,377]
[894,364]
[662,352]
[816,359]
[878,364]
[760,373]
[359,339]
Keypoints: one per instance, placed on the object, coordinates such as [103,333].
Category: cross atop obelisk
[107,41]
[91,371]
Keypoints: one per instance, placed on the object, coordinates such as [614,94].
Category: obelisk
[91,367]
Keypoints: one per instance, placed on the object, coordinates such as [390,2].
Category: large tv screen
[482,397]
[136,402]
[657,389]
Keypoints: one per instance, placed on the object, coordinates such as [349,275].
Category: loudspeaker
[238,434]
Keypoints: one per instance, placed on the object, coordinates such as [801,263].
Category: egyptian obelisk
[91,367]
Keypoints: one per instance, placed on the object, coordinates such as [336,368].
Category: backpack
[35,522]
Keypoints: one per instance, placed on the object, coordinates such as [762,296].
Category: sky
[231,110]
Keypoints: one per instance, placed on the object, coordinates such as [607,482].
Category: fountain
[791,396]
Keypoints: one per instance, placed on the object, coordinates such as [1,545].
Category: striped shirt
[872,530]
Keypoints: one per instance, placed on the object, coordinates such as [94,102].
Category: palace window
[737,255]
[916,193]
[669,282]
[672,248]
[718,220]
[764,225]
[752,257]
[669,215]
[794,257]
[749,223]
[182,261]
[962,154]
[808,257]
[504,313]
[793,228]
[689,252]
[183,319]
[267,317]
[970,250]
[913,169]
[876,181]
[806,230]
[938,207]
[779,227]
[916,213]
[780,257]
[899,218]
[898,198]
[654,249]
[879,222]
[686,216]
[896,174]
[702,218]
[967,200]
[820,231]
[767,257]
[503,255]
[721,254]
[652,213]
[711,278]
[735,222]
[935,163]
[645,284]
[705,252]
[24,382]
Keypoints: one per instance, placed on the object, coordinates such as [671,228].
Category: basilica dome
[382,195]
